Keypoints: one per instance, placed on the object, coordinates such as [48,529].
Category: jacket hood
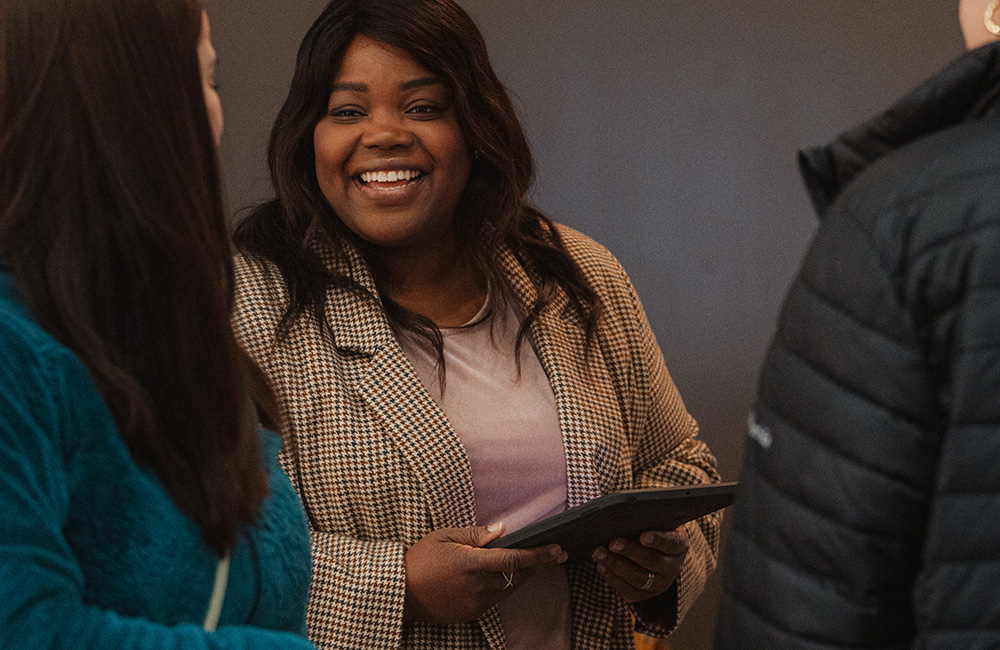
[967,89]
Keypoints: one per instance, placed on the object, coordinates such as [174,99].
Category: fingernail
[563,558]
[648,539]
[617,545]
[494,527]
[599,555]
[602,569]
[555,551]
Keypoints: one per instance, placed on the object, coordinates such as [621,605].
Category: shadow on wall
[666,130]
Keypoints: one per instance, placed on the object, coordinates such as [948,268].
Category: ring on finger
[649,582]
[509,577]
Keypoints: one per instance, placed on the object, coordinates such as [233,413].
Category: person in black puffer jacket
[869,511]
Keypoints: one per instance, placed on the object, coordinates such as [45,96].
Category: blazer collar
[523,281]
[355,316]
[358,321]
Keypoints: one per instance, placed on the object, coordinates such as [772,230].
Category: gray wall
[665,129]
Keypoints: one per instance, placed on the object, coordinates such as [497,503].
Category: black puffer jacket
[869,515]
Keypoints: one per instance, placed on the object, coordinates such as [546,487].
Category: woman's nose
[387,130]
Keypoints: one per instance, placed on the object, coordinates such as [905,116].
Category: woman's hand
[642,570]
[450,578]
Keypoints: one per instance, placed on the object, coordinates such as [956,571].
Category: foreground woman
[140,504]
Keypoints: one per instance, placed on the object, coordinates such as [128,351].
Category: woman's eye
[346,113]
[425,110]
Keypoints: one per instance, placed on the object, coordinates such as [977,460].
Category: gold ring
[649,582]
[510,579]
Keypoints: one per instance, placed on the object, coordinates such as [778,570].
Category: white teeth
[388,177]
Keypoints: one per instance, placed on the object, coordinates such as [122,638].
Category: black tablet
[624,514]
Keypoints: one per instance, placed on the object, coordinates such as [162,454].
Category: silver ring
[649,582]
[510,579]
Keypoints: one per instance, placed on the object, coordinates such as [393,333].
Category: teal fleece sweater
[93,553]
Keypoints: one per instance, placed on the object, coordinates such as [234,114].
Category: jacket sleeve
[667,450]
[840,464]
[365,582]
[41,583]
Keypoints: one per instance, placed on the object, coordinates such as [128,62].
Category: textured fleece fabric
[93,554]
[869,515]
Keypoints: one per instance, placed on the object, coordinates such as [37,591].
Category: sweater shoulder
[32,362]
[21,337]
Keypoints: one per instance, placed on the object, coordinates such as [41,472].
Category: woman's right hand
[450,578]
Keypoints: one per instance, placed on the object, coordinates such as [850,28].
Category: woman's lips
[389,178]
[388,185]
[388,175]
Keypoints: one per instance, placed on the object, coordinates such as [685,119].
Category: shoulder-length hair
[442,38]
[113,229]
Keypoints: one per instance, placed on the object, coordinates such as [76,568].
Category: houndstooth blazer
[378,466]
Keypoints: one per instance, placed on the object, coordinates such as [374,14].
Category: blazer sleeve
[41,583]
[667,450]
[358,586]
[357,594]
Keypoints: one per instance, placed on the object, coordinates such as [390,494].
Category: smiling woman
[390,156]
[399,252]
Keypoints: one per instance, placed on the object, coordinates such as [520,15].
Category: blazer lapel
[423,435]
[593,434]
[589,414]
[389,386]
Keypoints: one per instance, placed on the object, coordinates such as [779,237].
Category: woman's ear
[977,19]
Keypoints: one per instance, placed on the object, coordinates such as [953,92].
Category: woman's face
[390,156]
[206,59]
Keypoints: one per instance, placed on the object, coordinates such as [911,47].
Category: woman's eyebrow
[420,83]
[350,86]
[359,87]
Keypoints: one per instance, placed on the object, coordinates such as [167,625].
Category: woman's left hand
[644,569]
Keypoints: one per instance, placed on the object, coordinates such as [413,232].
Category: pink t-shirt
[510,430]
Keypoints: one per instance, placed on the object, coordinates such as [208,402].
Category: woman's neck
[443,284]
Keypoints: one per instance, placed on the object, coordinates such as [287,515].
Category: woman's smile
[378,179]
[387,187]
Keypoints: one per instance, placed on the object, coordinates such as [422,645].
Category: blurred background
[665,129]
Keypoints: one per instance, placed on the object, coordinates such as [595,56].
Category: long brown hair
[113,229]
[442,38]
